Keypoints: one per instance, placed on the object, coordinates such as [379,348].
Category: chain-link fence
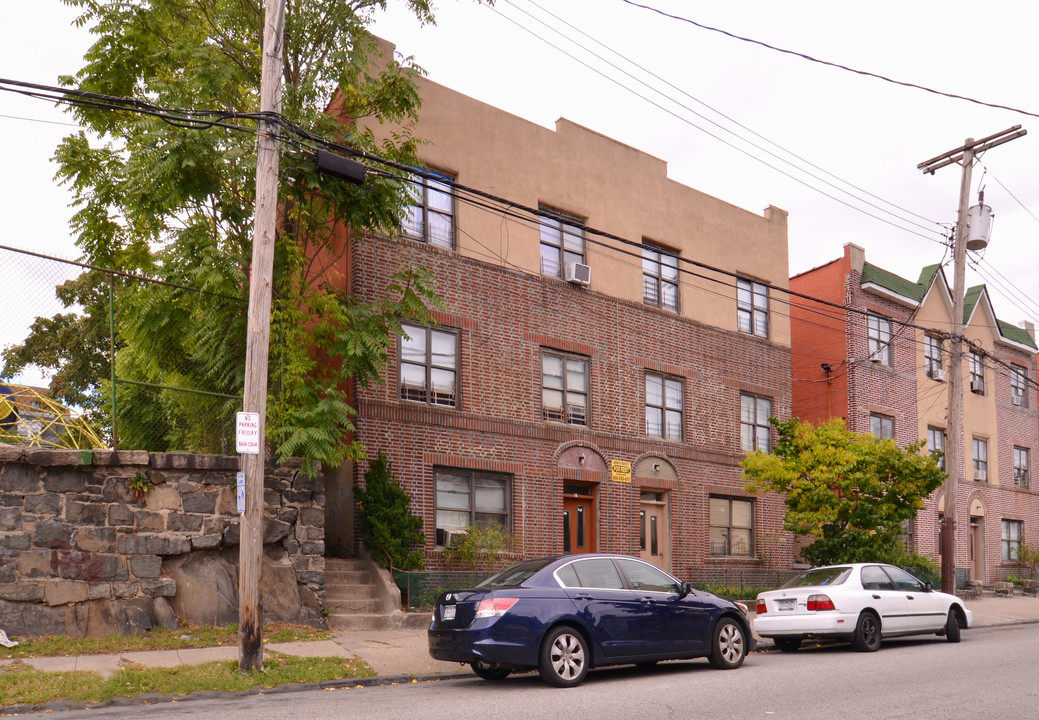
[145,364]
[419,589]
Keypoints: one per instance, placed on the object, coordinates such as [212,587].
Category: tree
[851,492]
[167,191]
[392,534]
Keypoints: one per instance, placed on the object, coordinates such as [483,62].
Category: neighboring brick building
[585,391]
[877,366]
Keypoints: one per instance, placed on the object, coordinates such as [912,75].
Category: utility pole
[955,450]
[250,637]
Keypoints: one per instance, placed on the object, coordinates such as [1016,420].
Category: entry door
[579,520]
[977,547]
[653,528]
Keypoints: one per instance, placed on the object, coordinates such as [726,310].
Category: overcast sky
[853,132]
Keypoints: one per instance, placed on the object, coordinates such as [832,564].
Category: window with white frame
[429,366]
[977,373]
[663,406]
[878,334]
[562,241]
[980,455]
[1013,531]
[752,307]
[755,430]
[1018,386]
[933,357]
[466,497]
[430,214]
[731,527]
[659,277]
[1021,461]
[936,444]
[564,388]
[882,426]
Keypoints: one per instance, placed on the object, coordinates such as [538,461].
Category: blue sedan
[564,615]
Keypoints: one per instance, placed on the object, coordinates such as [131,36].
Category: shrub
[391,532]
[481,548]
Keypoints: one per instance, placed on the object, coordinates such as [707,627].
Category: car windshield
[515,575]
[820,576]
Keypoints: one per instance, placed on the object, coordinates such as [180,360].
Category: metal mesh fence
[144,364]
[419,589]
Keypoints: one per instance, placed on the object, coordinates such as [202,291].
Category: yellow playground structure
[29,417]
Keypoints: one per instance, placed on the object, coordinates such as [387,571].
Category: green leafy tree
[391,532]
[851,492]
[170,195]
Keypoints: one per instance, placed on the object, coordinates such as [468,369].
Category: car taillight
[760,609]
[820,602]
[494,607]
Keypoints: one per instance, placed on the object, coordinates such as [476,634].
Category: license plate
[785,604]
[447,612]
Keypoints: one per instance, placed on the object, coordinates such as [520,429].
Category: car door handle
[583,596]
[648,601]
[910,597]
[876,597]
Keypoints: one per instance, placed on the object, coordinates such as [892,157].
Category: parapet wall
[96,542]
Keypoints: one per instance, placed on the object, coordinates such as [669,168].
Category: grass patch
[23,685]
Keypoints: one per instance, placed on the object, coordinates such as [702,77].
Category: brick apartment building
[587,392]
[882,365]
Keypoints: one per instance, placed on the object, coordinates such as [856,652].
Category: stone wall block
[11,454]
[147,521]
[125,589]
[288,515]
[275,530]
[313,516]
[214,525]
[64,481]
[162,587]
[198,502]
[7,572]
[46,504]
[35,564]
[120,515]
[63,592]
[117,490]
[162,497]
[122,458]
[95,539]
[52,533]
[233,534]
[308,484]
[85,513]
[181,522]
[99,591]
[10,518]
[113,569]
[271,498]
[55,458]
[152,545]
[207,542]
[312,548]
[146,567]
[19,478]
[22,592]
[15,540]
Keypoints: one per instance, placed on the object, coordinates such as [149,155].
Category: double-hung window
[430,217]
[936,444]
[429,366]
[564,388]
[659,278]
[1013,531]
[562,241]
[977,373]
[663,407]
[755,430]
[752,307]
[1018,386]
[878,333]
[980,456]
[731,527]
[465,498]
[933,357]
[1021,461]
[882,426]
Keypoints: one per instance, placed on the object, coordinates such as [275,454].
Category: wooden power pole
[250,618]
[955,449]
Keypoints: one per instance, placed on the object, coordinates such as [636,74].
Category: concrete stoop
[356,595]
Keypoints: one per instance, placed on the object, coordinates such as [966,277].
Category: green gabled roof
[1016,334]
[970,300]
[899,285]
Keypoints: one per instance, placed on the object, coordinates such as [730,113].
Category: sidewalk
[401,654]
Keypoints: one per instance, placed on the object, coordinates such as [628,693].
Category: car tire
[787,644]
[728,645]
[487,672]
[952,626]
[867,633]
[564,657]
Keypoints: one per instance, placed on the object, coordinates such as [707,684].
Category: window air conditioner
[577,273]
[447,538]
[977,388]
[939,375]
[1017,399]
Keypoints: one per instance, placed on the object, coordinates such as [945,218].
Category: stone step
[347,577]
[377,621]
[360,592]
[353,605]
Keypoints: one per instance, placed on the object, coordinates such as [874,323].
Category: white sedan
[858,602]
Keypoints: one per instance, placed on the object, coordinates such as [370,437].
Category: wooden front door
[653,528]
[579,519]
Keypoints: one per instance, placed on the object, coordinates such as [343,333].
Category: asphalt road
[990,674]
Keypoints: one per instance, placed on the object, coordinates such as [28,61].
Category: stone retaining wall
[97,542]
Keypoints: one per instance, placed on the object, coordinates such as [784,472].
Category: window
[663,407]
[936,444]
[933,357]
[882,426]
[980,455]
[564,388]
[430,216]
[1013,530]
[428,366]
[1018,386]
[752,307]
[466,498]
[977,373]
[755,430]
[878,331]
[732,527]
[1021,467]
[562,241]
[659,278]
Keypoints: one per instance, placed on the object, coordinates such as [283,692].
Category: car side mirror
[684,589]
[928,587]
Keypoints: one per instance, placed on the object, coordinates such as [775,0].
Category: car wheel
[787,644]
[564,657]
[952,626]
[488,672]
[729,645]
[867,633]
